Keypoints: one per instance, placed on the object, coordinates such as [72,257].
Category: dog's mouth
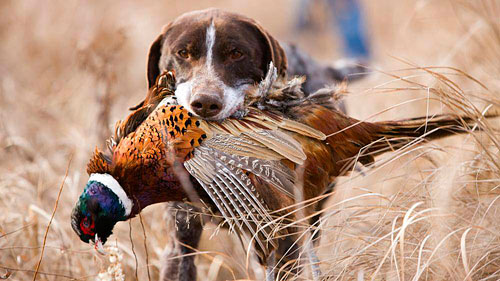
[237,112]
[234,99]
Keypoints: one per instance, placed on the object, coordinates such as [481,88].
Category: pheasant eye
[87,226]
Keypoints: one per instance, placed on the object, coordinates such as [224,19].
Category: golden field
[70,69]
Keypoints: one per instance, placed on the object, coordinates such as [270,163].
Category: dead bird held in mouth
[244,166]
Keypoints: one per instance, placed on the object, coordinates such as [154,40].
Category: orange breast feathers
[170,133]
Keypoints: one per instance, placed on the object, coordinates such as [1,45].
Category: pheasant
[227,159]
[243,167]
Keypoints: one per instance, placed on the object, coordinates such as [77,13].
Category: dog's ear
[279,57]
[272,49]
[153,69]
[154,60]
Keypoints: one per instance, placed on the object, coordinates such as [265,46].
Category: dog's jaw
[233,100]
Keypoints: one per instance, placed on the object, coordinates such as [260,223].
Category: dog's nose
[206,106]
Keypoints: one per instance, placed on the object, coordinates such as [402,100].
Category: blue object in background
[347,18]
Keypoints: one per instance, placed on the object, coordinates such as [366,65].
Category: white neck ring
[111,183]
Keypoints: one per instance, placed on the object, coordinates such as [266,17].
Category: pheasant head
[101,205]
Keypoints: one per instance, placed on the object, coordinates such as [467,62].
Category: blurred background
[70,69]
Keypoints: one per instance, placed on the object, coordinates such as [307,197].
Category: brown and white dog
[216,55]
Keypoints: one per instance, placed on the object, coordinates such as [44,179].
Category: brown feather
[99,163]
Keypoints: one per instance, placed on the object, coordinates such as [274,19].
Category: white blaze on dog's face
[216,56]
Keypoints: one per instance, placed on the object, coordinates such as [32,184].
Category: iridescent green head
[101,205]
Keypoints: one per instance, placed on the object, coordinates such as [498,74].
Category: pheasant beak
[98,245]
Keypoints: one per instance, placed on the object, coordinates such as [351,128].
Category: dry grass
[70,68]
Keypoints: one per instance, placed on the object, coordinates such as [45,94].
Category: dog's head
[216,56]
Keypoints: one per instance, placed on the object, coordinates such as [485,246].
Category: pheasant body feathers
[245,166]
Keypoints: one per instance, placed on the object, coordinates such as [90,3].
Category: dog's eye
[235,54]
[183,53]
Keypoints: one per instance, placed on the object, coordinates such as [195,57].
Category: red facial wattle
[86,227]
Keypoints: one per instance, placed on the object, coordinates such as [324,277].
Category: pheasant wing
[233,193]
